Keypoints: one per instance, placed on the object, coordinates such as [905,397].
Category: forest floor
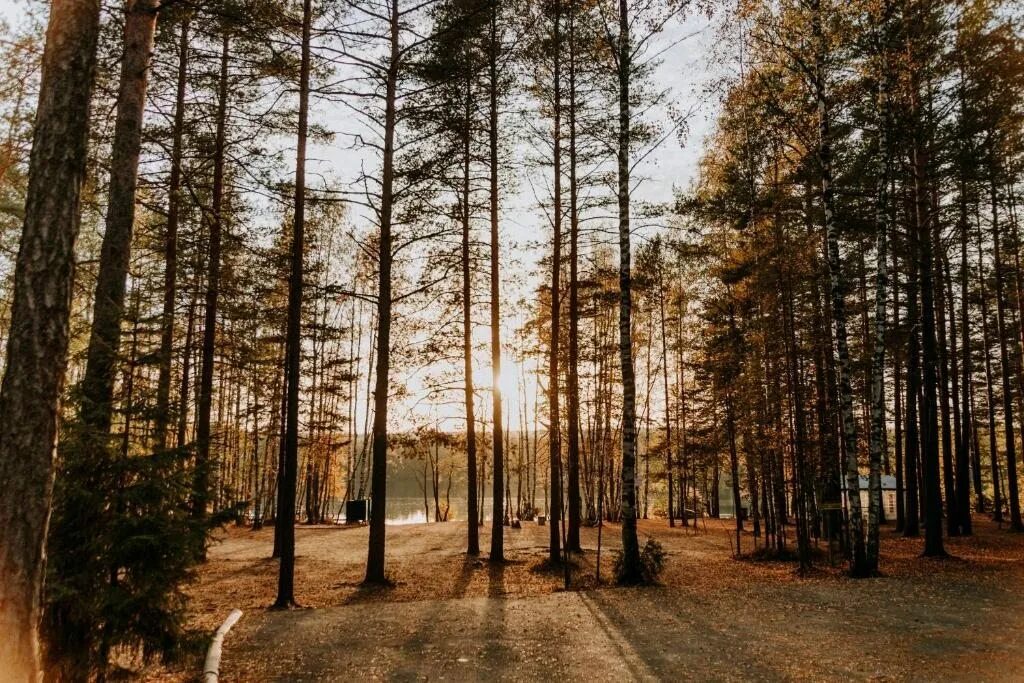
[711,618]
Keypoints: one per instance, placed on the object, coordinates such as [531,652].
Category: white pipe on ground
[211,667]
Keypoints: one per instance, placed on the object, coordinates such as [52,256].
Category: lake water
[410,510]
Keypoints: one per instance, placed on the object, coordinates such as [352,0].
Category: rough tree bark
[944,372]
[929,352]
[990,402]
[286,520]
[554,428]
[882,223]
[734,466]
[379,477]
[163,385]
[572,539]
[97,389]
[200,494]
[472,528]
[963,446]
[858,565]
[38,339]
[498,448]
[963,455]
[668,407]
[631,570]
[1006,371]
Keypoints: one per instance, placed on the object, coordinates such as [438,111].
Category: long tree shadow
[496,654]
[444,633]
[656,635]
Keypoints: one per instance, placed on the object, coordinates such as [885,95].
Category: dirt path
[636,634]
[714,618]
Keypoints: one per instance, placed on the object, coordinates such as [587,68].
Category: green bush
[652,561]
[122,544]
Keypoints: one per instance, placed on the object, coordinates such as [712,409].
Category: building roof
[888,482]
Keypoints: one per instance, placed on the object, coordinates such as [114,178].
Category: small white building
[888,495]
[726,505]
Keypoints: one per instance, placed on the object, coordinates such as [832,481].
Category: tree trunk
[286,522]
[38,340]
[901,517]
[929,353]
[882,222]
[573,484]
[912,452]
[1006,371]
[163,390]
[986,343]
[824,377]
[97,389]
[473,530]
[498,449]
[200,495]
[664,368]
[734,466]
[967,464]
[631,570]
[963,356]
[945,410]
[282,415]
[849,425]
[681,413]
[186,369]
[554,428]
[378,478]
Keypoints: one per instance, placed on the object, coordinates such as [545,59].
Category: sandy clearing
[456,618]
